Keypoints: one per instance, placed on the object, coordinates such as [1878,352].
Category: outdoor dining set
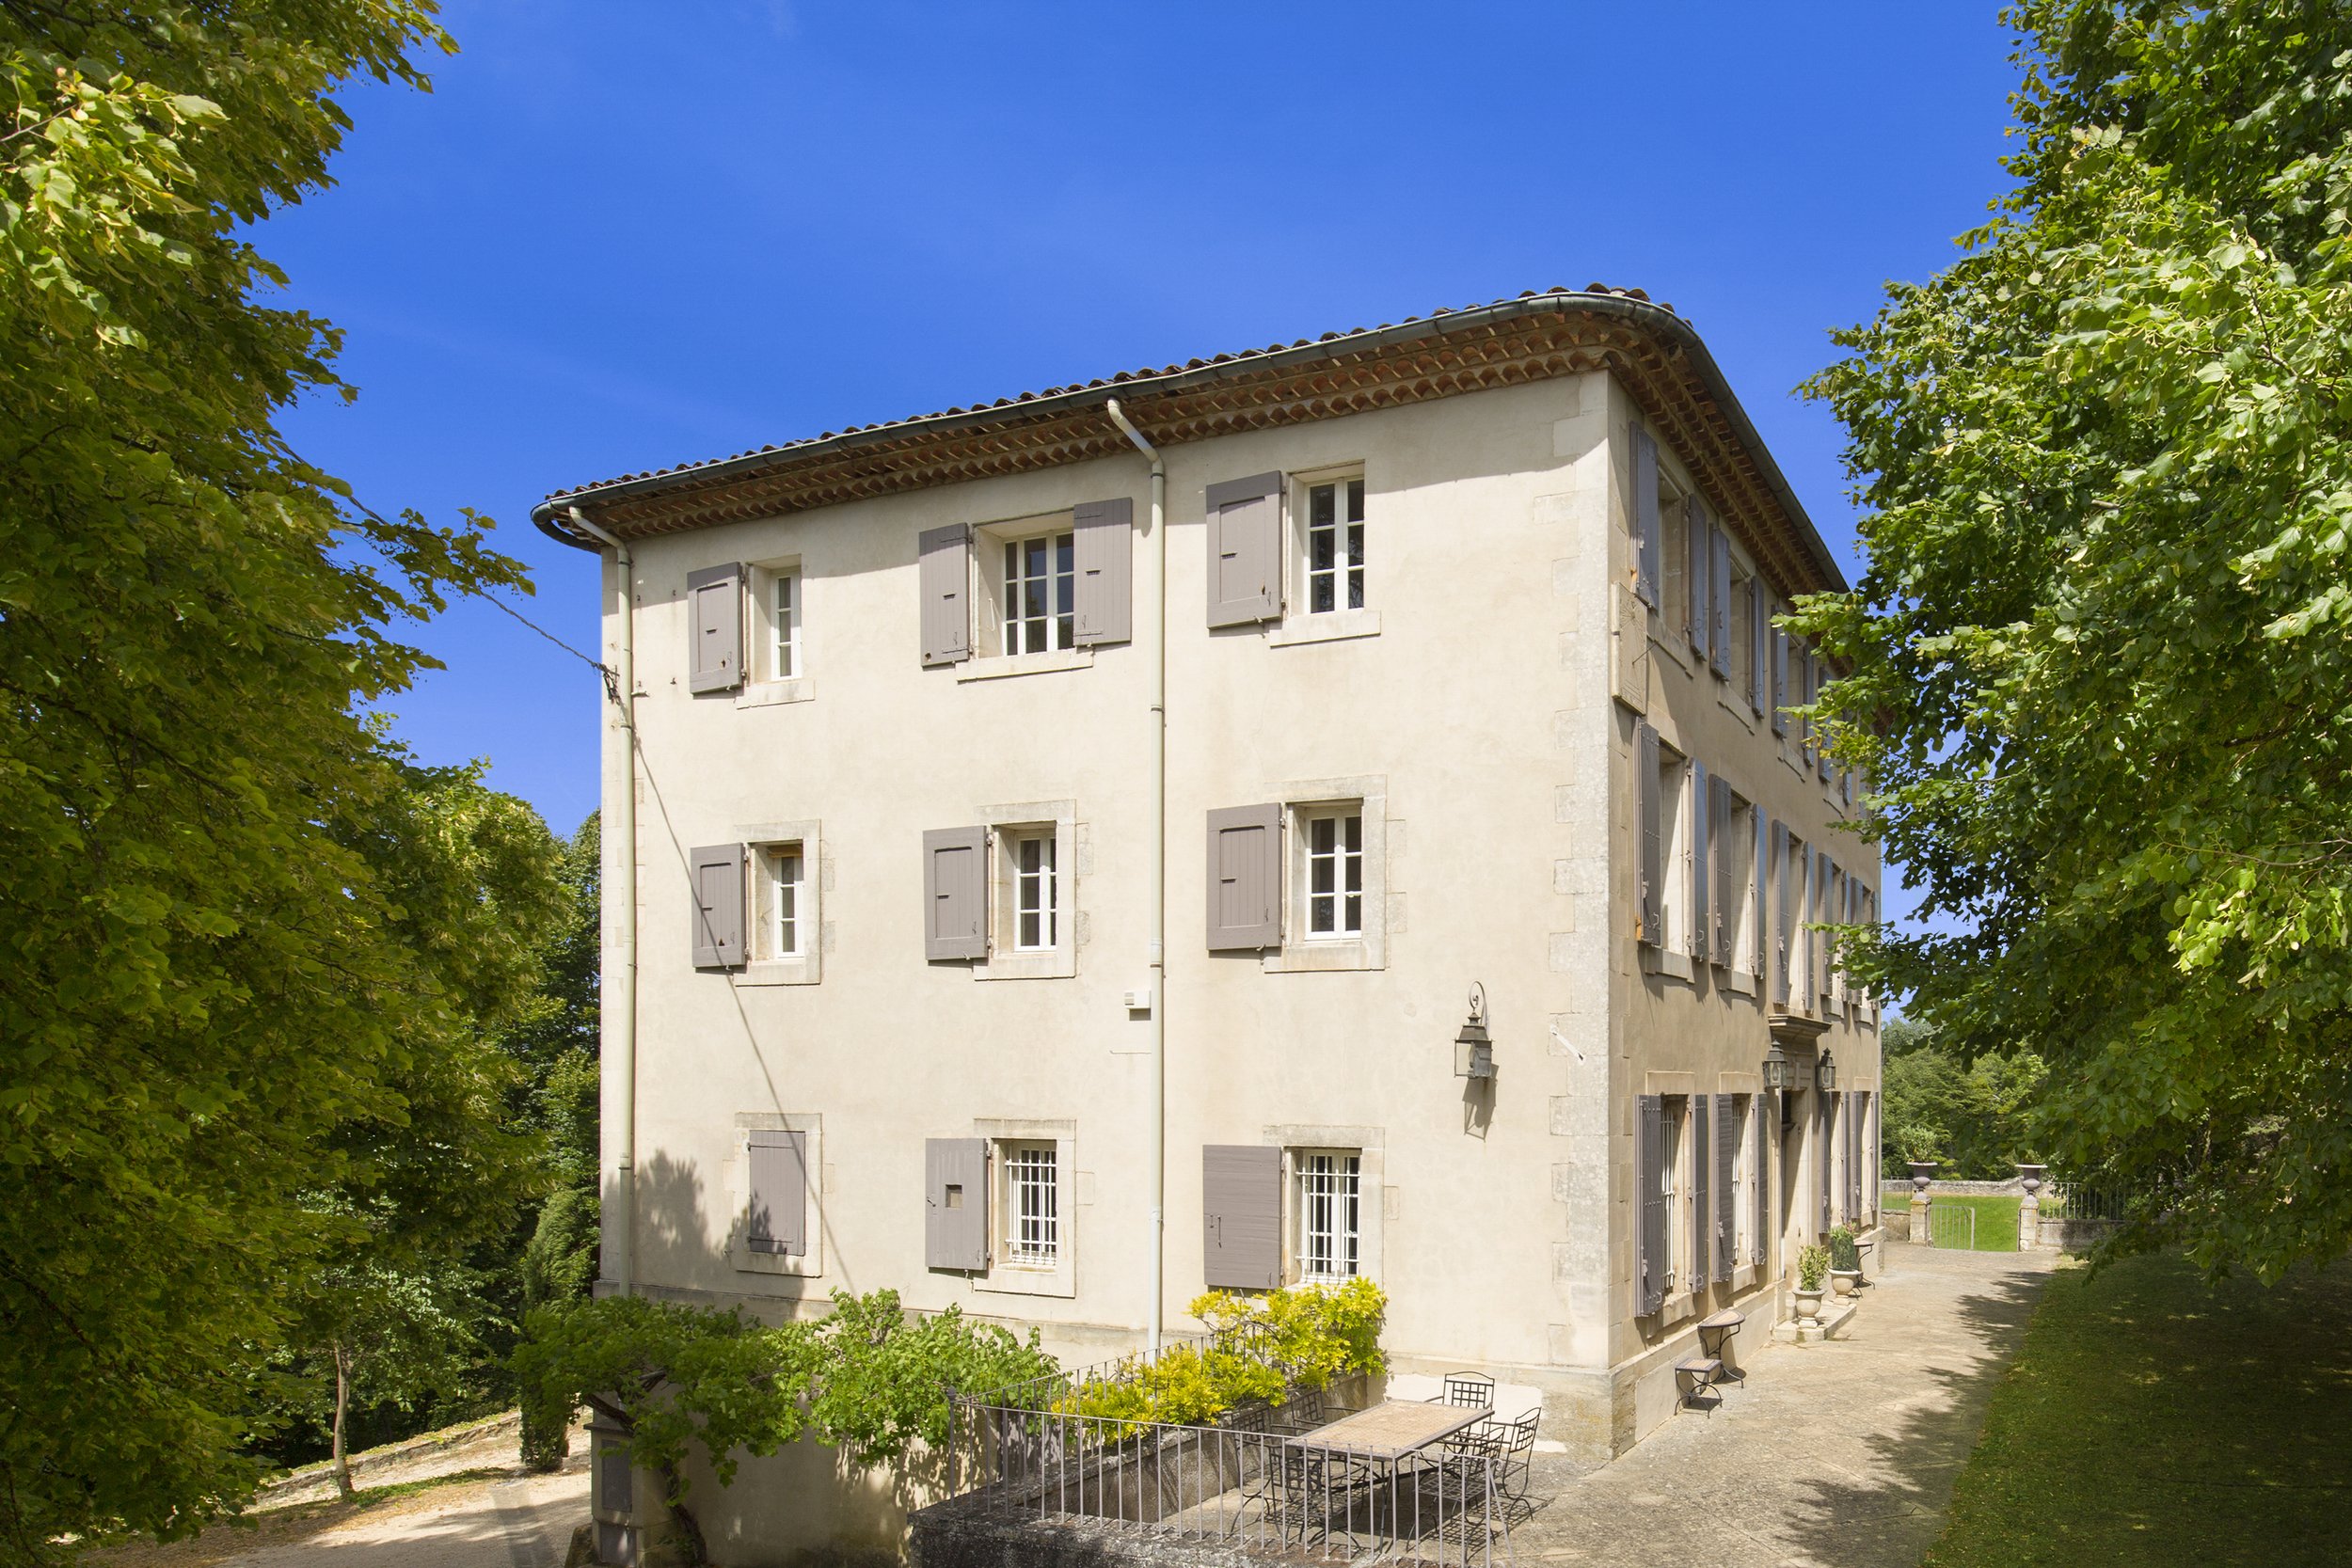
[1400,1467]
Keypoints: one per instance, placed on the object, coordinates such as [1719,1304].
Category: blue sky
[618,236]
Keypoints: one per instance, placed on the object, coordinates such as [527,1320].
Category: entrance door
[1795,1118]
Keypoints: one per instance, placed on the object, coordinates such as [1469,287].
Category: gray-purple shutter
[1726,1185]
[1780,681]
[1696,574]
[1825,1143]
[1701,910]
[1101,554]
[1875,1156]
[943,573]
[1244,518]
[1719,599]
[1759,1215]
[1760,637]
[777,1221]
[955,1203]
[955,893]
[1648,545]
[1240,1217]
[1649,809]
[1785,875]
[1702,1115]
[1728,893]
[714,623]
[1649,1234]
[1857,1106]
[1820,728]
[718,905]
[1823,913]
[1760,896]
[1245,879]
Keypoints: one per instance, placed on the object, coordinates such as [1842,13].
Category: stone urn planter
[1809,1305]
[1922,1172]
[1844,1281]
[2030,1177]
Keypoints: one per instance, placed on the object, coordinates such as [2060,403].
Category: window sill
[1022,1279]
[778,972]
[1738,709]
[1323,957]
[1333,625]
[1662,960]
[771,693]
[1059,964]
[997,666]
[783,1265]
[1738,981]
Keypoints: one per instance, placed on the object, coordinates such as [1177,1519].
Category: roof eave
[551,515]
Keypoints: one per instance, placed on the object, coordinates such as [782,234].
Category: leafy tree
[1975,1118]
[224,1000]
[2099,662]
[867,1378]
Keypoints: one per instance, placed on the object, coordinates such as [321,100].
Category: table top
[1393,1428]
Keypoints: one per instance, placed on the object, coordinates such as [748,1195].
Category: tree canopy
[2098,665]
[251,952]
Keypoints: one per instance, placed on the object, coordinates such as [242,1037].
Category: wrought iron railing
[1254,1477]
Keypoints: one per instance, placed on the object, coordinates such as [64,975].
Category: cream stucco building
[1460,633]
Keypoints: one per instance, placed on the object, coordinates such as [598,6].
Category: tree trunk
[343,1407]
[694,1550]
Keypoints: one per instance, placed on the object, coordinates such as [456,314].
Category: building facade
[1441,663]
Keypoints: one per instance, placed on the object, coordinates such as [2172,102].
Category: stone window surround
[808,969]
[1060,961]
[1375,1202]
[1022,1279]
[738,1176]
[1298,954]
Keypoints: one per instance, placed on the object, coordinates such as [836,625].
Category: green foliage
[1975,1118]
[2098,667]
[236,1028]
[1261,1346]
[867,1378]
[1812,1266]
[1844,1256]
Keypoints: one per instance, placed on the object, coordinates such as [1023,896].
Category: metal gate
[1954,1226]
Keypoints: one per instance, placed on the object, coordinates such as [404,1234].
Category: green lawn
[2152,1422]
[1997,1219]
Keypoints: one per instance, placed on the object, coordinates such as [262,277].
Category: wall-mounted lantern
[1776,1069]
[1473,1051]
[1826,1074]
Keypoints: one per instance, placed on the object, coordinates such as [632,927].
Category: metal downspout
[618,1012]
[1158,641]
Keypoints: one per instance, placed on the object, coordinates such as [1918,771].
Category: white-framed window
[1335,545]
[1040,603]
[1743,898]
[1334,847]
[785,874]
[1327,1205]
[1030,1205]
[1676,1115]
[784,930]
[1746,1224]
[784,624]
[1674,830]
[1036,890]
[1743,632]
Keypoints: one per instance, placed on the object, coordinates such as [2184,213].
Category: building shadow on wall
[1846,1525]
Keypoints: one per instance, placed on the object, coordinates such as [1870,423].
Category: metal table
[1383,1436]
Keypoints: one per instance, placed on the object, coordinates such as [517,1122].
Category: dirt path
[483,1516]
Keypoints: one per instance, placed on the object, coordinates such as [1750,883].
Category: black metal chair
[1517,1459]
[1301,1413]
[1468,1390]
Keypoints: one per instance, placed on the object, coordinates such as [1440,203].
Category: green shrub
[1843,1255]
[1812,1267]
[1261,1346]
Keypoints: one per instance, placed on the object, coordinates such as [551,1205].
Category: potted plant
[1845,1262]
[1812,1265]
